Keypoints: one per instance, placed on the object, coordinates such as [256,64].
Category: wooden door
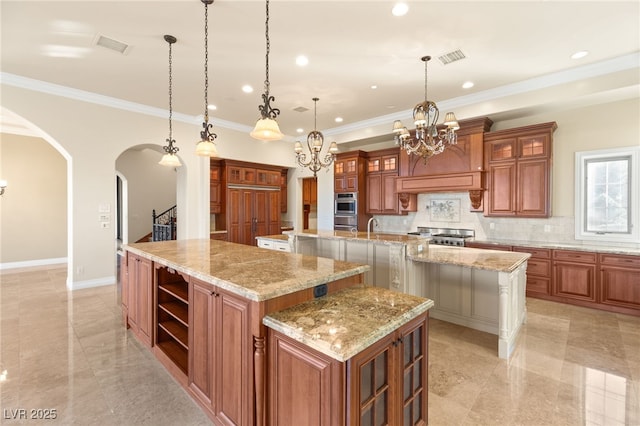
[374,193]
[390,203]
[412,362]
[260,213]
[234,215]
[132,294]
[246,218]
[233,349]
[274,213]
[201,354]
[502,189]
[145,300]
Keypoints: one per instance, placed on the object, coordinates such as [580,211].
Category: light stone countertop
[360,235]
[254,273]
[492,260]
[613,248]
[344,323]
[275,237]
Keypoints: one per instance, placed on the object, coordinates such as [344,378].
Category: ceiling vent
[112,44]
[301,109]
[450,57]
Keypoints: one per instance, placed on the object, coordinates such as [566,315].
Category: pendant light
[315,142]
[206,147]
[429,141]
[267,128]
[170,159]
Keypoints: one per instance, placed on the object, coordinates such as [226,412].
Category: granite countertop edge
[562,246]
[447,255]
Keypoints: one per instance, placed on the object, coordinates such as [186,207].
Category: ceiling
[511,47]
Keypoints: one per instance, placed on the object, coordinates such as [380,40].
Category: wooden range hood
[459,168]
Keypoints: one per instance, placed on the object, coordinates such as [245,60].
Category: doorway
[310,203]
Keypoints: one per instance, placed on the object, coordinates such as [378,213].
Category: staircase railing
[164,225]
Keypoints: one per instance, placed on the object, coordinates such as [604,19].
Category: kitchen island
[476,288]
[199,306]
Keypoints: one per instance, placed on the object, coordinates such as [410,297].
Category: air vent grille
[112,44]
[450,57]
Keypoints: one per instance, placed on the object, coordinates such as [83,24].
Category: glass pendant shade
[170,160]
[266,130]
[206,149]
[297,147]
[451,121]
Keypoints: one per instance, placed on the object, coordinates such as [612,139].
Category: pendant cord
[206,62]
[266,24]
[170,95]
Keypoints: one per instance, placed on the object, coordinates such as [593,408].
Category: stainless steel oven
[346,203]
[345,222]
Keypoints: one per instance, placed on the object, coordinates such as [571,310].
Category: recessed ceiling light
[374,87]
[580,54]
[247,89]
[338,119]
[302,61]
[299,130]
[400,9]
[212,107]
[467,85]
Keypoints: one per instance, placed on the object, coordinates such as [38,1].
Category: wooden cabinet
[220,374]
[349,171]
[487,246]
[620,281]
[216,193]
[241,175]
[251,213]
[538,271]
[574,275]
[140,297]
[382,171]
[172,332]
[309,191]
[283,190]
[518,165]
[386,384]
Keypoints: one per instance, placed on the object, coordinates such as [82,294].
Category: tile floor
[69,352]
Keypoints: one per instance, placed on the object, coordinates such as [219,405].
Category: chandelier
[315,142]
[170,159]
[205,146]
[267,127]
[429,140]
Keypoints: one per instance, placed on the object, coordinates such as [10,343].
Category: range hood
[450,182]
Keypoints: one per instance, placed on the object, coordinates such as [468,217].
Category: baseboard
[32,263]
[96,282]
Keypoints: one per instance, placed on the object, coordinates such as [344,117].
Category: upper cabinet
[349,171]
[382,171]
[216,195]
[518,165]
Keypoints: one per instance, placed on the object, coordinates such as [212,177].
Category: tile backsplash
[452,210]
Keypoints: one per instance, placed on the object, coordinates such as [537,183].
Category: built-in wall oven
[346,211]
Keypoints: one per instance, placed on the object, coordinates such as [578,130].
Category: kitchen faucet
[375,222]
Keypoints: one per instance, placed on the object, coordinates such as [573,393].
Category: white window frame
[634,192]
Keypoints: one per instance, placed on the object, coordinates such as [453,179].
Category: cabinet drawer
[538,285]
[540,267]
[539,253]
[575,256]
[620,260]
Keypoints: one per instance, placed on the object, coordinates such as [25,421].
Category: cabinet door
[502,189]
[283,190]
[306,190]
[534,146]
[246,220]
[574,280]
[533,188]
[235,215]
[390,203]
[145,300]
[201,354]
[233,352]
[374,193]
[132,293]
[620,280]
[274,213]
[215,197]
[371,383]
[260,214]
[304,388]
[413,360]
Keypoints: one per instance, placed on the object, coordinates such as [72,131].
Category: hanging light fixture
[428,140]
[206,147]
[267,128]
[170,159]
[315,141]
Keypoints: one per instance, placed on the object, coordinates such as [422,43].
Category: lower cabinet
[385,384]
[139,297]
[221,350]
[538,271]
[172,333]
[620,280]
[574,275]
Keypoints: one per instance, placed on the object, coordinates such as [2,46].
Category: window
[607,195]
